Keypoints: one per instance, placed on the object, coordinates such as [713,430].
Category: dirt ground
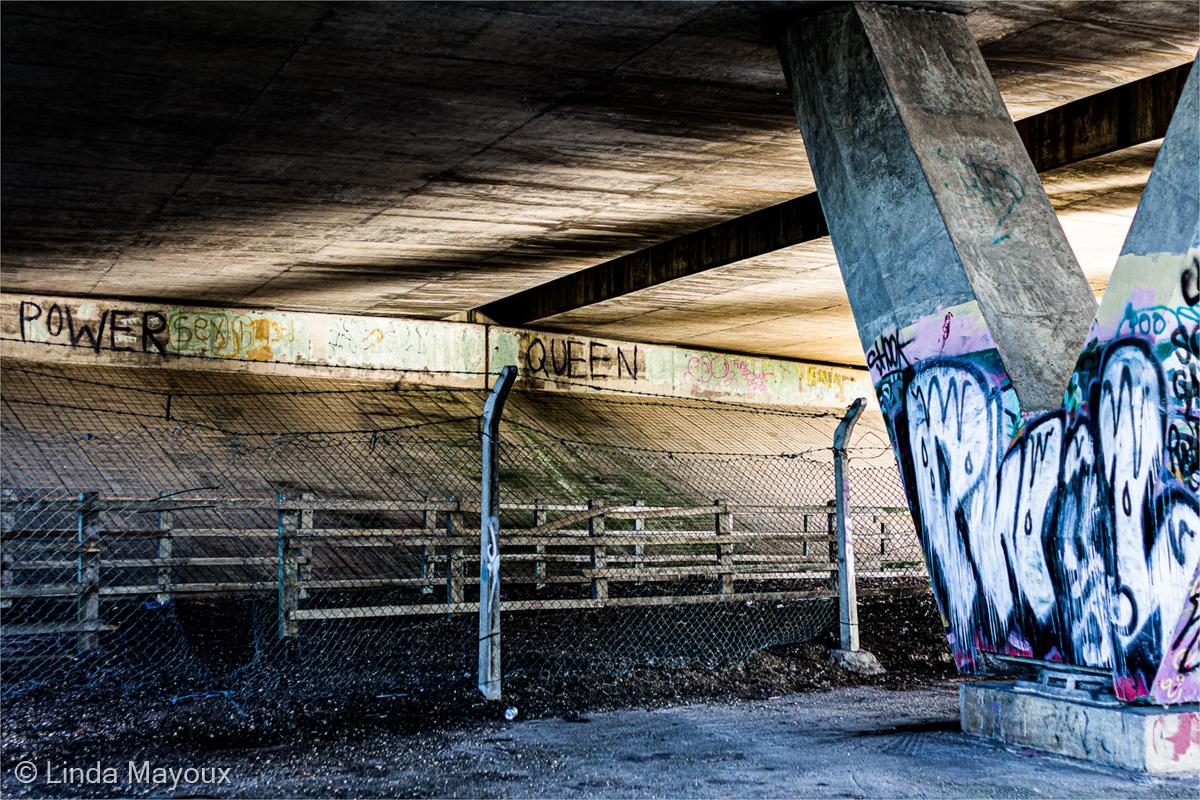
[903,630]
[785,722]
[863,741]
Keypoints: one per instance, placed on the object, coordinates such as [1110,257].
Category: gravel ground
[785,722]
[864,741]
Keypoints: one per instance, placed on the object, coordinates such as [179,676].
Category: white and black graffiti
[1074,541]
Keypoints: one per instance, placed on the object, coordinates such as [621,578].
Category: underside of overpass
[263,263]
[427,160]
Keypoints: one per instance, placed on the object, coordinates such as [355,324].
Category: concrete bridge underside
[619,173]
[427,160]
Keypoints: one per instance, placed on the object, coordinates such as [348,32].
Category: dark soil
[904,632]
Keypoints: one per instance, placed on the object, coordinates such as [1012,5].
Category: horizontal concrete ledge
[110,332]
[1150,739]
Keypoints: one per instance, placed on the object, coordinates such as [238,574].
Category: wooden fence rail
[745,552]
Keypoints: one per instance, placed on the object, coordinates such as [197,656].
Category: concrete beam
[1103,123]
[772,228]
[96,331]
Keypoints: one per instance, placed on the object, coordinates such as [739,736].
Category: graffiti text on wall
[826,379]
[726,373]
[459,354]
[228,334]
[119,330]
[212,333]
[589,359]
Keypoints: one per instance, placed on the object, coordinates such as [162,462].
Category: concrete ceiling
[421,159]
[792,302]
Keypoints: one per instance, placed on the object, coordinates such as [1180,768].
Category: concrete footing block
[860,662]
[1150,739]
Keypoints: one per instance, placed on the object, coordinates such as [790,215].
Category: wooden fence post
[304,546]
[455,560]
[639,548]
[724,526]
[847,590]
[166,550]
[288,570]
[598,559]
[539,566]
[429,519]
[831,543]
[88,574]
[489,537]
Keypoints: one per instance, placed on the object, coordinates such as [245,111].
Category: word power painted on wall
[119,330]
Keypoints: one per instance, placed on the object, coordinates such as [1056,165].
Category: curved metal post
[489,538]
[847,591]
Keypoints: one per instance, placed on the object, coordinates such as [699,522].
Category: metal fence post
[639,549]
[847,593]
[88,574]
[429,524]
[489,538]
[831,538]
[304,546]
[6,579]
[455,558]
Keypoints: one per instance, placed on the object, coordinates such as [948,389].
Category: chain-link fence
[660,556]
[244,537]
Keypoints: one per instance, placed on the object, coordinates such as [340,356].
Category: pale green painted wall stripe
[453,354]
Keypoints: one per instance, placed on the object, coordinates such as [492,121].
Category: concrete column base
[860,662]
[1149,739]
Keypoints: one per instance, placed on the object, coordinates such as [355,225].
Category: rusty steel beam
[1103,123]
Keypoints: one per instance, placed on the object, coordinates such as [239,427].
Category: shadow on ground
[784,722]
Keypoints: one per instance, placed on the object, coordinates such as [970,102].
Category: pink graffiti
[726,373]
[1183,741]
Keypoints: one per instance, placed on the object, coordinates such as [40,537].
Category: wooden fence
[87,551]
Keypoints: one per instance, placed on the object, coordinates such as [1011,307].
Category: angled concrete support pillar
[1138,379]
[932,202]
[1051,455]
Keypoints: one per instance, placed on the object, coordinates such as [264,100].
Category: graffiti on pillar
[984,187]
[1072,535]
[1179,676]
